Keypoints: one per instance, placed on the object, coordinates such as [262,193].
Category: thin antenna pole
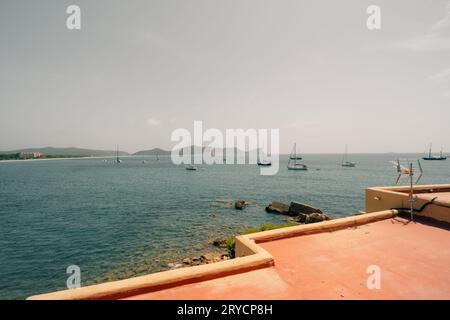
[411,194]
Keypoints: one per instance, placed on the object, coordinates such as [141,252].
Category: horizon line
[166,150]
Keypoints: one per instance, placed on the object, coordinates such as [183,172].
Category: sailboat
[345,162]
[431,157]
[157,156]
[293,158]
[117,155]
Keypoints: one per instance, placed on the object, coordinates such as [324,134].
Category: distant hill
[50,151]
[152,152]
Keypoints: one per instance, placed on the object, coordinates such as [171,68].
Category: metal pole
[411,194]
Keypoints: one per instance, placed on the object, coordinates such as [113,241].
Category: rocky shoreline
[205,258]
[297,213]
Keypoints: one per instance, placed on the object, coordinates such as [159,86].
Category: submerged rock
[220,243]
[240,204]
[226,202]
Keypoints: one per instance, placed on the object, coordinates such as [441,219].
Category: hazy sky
[137,70]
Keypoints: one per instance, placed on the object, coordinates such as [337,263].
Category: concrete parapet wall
[385,198]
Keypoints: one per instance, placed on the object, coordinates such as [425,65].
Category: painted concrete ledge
[246,244]
[250,256]
[384,198]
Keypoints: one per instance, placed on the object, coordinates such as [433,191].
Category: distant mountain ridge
[51,151]
[72,151]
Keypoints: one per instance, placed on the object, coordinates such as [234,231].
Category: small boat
[431,157]
[293,158]
[191,167]
[144,161]
[264,162]
[345,162]
[157,156]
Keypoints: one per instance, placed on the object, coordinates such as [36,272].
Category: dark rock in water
[298,208]
[278,207]
[240,204]
[295,209]
[301,218]
[187,261]
[316,217]
[311,218]
[220,243]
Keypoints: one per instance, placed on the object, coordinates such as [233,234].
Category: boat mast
[429,152]
[345,155]
[295,153]
[117,155]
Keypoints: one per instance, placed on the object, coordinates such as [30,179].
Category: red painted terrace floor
[414,260]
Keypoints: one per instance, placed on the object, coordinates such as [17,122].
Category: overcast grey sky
[137,70]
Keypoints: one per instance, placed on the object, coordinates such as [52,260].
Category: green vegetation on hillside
[9,156]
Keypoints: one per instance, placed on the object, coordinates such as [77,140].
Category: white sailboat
[345,162]
[293,163]
[264,162]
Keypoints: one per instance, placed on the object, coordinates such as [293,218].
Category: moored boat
[191,167]
[293,158]
[345,162]
[432,157]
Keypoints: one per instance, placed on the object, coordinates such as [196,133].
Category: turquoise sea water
[117,221]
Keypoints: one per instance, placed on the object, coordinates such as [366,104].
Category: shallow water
[116,221]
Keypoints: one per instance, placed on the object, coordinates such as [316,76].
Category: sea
[116,221]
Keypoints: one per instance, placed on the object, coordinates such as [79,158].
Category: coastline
[74,158]
[48,159]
